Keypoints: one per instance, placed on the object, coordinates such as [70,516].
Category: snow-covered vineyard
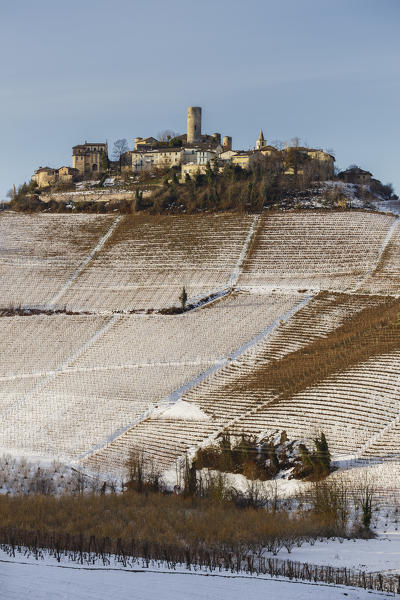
[22,577]
[110,373]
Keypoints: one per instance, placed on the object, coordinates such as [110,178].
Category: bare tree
[166,134]
[278,144]
[120,148]
[295,142]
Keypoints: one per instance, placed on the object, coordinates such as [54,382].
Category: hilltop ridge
[198,172]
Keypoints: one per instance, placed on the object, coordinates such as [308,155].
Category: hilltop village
[190,153]
[197,172]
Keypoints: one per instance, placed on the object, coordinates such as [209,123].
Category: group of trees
[146,527]
[264,184]
[266,459]
[163,526]
[315,464]
[202,522]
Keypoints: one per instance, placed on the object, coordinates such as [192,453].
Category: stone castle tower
[193,124]
[227,143]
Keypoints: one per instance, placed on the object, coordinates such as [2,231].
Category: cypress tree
[183,298]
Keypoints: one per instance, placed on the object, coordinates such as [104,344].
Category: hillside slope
[308,296]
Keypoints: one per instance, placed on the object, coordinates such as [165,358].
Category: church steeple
[261,142]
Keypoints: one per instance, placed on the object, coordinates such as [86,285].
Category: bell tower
[261,142]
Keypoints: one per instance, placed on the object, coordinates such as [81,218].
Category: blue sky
[321,70]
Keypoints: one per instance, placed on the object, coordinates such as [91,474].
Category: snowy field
[148,260]
[331,251]
[39,253]
[102,263]
[378,555]
[381,554]
[72,385]
[41,580]
[91,387]
[58,373]
[353,408]
[333,405]
[385,278]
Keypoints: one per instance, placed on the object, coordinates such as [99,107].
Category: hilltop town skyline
[192,153]
[296,71]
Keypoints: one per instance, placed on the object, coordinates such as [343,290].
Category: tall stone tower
[193,124]
[227,143]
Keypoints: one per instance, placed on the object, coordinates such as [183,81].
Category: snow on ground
[350,190]
[185,410]
[381,554]
[281,487]
[34,474]
[46,580]
[392,206]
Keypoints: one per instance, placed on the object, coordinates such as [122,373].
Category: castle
[87,158]
[191,152]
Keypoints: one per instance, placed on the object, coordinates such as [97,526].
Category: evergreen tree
[274,462]
[190,478]
[183,298]
[105,163]
[307,460]
[226,452]
[323,455]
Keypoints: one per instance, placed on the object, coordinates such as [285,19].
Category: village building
[325,160]
[45,176]
[243,159]
[67,174]
[87,157]
[163,158]
[356,175]
[269,151]
[141,161]
[166,158]
[193,147]
[195,160]
[199,156]
[191,170]
[311,159]
[226,156]
[144,144]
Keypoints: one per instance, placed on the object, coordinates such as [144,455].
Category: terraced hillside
[83,378]
[385,278]
[40,253]
[306,337]
[316,250]
[148,259]
[105,263]
[332,366]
